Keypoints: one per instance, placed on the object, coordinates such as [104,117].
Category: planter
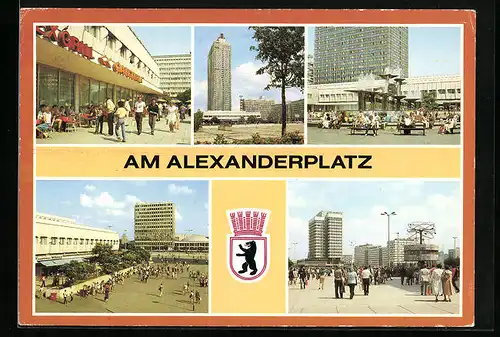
[225,127]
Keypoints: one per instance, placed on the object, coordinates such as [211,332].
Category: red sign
[103,60]
[64,39]
[118,68]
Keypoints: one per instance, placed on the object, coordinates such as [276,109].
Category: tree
[451,261]
[429,101]
[252,120]
[214,120]
[242,120]
[290,263]
[78,270]
[281,49]
[184,96]
[198,120]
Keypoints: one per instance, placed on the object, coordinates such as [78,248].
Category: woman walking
[352,280]
[435,280]
[172,117]
[447,285]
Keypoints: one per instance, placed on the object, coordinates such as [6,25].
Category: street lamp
[388,234]
[353,245]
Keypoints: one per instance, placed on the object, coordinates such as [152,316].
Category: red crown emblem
[248,221]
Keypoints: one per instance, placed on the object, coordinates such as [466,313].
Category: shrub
[198,120]
[220,139]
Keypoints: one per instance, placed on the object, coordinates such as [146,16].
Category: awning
[60,262]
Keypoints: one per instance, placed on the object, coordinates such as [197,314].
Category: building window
[69,241]
[123,52]
[451,91]
[84,91]
[94,92]
[43,240]
[48,85]
[132,59]
[81,241]
[61,241]
[111,41]
[87,242]
[102,92]
[94,30]
[66,89]
[53,240]
[75,241]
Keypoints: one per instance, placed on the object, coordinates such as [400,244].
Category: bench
[355,129]
[406,130]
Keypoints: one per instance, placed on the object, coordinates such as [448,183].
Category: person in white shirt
[139,107]
[424,280]
[121,113]
[435,281]
[110,106]
[172,117]
[129,109]
[365,276]
[352,280]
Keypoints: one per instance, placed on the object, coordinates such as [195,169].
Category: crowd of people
[117,116]
[433,281]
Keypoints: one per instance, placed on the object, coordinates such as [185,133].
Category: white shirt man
[139,107]
[365,276]
[110,106]
[424,280]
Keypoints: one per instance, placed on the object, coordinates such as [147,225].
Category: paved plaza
[389,298]
[389,136]
[241,132]
[85,135]
[135,296]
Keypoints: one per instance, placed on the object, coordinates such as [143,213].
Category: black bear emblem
[249,254]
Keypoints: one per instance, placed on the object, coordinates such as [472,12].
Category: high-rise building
[361,254]
[154,225]
[397,249]
[342,54]
[373,256]
[262,105]
[175,73]
[219,75]
[454,253]
[310,69]
[346,259]
[325,236]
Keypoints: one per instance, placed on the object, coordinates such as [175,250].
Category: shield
[248,257]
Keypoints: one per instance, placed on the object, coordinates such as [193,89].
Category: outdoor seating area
[407,129]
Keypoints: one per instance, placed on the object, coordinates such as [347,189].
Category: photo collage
[384,240]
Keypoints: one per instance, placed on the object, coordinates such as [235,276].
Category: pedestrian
[435,281]
[121,114]
[424,280]
[139,107]
[302,276]
[43,281]
[321,279]
[172,117]
[110,107]
[454,279]
[337,282]
[447,286]
[65,296]
[352,279]
[153,115]
[106,292]
[365,276]
[99,121]
[160,289]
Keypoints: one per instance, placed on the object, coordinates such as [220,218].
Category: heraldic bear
[249,254]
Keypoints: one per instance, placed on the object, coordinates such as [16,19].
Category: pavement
[135,296]
[390,136]
[85,135]
[245,131]
[388,298]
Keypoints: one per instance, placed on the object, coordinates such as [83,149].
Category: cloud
[108,205]
[178,216]
[66,203]
[179,189]
[90,188]
[246,83]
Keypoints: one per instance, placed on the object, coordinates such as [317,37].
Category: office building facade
[397,249]
[310,69]
[175,73]
[219,75]
[361,254]
[262,105]
[325,236]
[343,54]
[154,226]
[294,112]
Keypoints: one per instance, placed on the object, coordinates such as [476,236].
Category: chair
[70,125]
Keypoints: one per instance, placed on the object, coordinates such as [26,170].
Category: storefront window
[109,91]
[47,85]
[94,92]
[84,91]
[102,92]
[66,88]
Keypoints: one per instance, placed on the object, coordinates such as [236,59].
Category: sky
[363,201]
[431,50]
[243,64]
[165,40]
[102,203]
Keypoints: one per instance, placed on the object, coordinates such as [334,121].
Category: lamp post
[388,234]
[125,241]
[353,246]
[294,250]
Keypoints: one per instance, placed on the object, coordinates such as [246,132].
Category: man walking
[129,109]
[352,280]
[365,276]
[110,106]
[121,113]
[424,280]
[338,282]
[153,115]
[302,276]
[139,107]
[454,279]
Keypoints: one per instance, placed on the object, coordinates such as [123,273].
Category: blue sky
[165,40]
[100,203]
[243,64]
[432,50]
[363,201]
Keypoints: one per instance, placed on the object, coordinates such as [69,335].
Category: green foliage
[242,120]
[252,120]
[184,96]
[198,120]
[281,50]
[79,270]
[290,263]
[220,139]
[429,101]
[453,262]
